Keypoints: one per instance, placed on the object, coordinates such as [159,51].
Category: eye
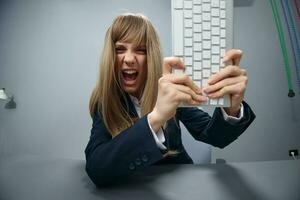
[141,50]
[120,50]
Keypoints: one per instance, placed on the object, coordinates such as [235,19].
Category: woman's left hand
[230,80]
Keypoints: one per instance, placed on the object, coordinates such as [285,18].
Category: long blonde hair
[106,97]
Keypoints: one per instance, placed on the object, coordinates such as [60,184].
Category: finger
[183,97]
[172,62]
[184,80]
[238,88]
[196,97]
[229,71]
[233,55]
[223,83]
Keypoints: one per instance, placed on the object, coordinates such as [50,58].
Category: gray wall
[49,55]
[276,128]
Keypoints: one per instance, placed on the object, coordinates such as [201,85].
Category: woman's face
[132,65]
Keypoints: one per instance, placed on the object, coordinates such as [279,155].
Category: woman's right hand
[173,89]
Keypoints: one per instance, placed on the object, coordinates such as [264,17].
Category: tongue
[129,77]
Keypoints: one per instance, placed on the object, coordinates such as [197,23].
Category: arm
[214,130]
[109,159]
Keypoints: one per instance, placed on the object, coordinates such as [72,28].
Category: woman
[135,110]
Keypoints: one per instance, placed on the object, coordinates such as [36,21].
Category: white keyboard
[201,33]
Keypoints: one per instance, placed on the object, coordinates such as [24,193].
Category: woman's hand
[173,89]
[231,80]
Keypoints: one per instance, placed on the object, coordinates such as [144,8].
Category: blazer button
[138,161]
[145,158]
[131,166]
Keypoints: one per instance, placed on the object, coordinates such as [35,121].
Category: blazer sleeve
[214,130]
[109,160]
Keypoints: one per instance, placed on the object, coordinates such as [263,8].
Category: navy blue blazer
[109,160]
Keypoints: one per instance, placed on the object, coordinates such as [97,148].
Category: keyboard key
[197,18]
[188,61]
[222,23]
[197,9]
[196,2]
[178,4]
[215,40]
[215,49]
[213,101]
[197,75]
[223,43]
[215,21]
[222,53]
[206,26]
[215,12]
[189,70]
[188,42]
[206,7]
[223,33]
[197,65]
[188,32]
[204,82]
[206,64]
[221,101]
[206,54]
[222,4]
[188,51]
[215,31]
[198,46]
[215,3]
[222,14]
[206,17]
[188,4]
[188,23]
[215,59]
[188,14]
[177,31]
[198,56]
[215,68]
[197,28]
[206,73]
[206,45]
[197,37]
[206,35]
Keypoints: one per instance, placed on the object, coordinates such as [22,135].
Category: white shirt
[159,137]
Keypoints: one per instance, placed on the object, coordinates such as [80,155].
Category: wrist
[155,121]
[233,111]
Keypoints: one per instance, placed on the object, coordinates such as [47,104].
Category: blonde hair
[106,96]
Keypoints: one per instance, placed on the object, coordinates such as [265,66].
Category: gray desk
[36,178]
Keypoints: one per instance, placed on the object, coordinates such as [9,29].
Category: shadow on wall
[243,3]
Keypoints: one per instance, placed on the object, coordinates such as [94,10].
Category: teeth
[130,71]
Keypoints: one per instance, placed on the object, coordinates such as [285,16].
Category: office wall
[276,128]
[49,60]
[49,57]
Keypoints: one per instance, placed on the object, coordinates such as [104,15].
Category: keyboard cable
[291,92]
[287,11]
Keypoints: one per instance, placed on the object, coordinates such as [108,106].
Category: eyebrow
[118,44]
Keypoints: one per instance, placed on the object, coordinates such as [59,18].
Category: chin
[130,91]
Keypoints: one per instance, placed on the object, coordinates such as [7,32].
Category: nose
[129,58]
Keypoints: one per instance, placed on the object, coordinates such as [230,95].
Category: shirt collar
[135,101]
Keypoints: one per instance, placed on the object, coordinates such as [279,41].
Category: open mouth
[129,76]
